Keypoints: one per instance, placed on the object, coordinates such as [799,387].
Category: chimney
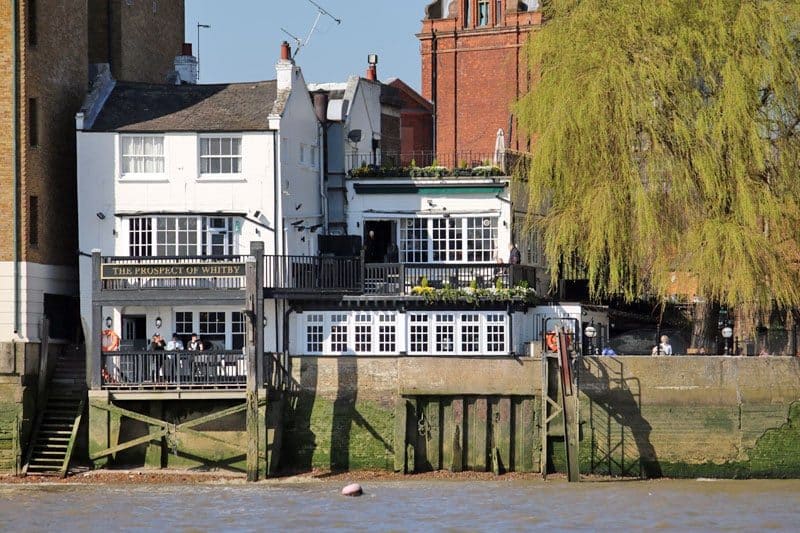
[372,69]
[285,68]
[186,66]
[321,105]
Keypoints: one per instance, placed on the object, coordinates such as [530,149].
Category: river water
[412,505]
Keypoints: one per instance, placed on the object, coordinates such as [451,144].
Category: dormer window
[220,155]
[142,154]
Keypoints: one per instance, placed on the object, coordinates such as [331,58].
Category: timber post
[254,288]
[94,348]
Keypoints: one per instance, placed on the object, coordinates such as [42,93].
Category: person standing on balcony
[371,248]
[514,255]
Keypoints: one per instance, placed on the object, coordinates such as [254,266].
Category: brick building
[47,49]
[473,71]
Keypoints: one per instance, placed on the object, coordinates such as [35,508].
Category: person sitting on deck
[176,344]
[663,348]
[195,344]
[157,343]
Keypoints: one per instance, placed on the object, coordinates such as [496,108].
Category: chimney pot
[286,51]
[372,73]
[186,49]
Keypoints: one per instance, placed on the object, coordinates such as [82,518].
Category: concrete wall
[640,416]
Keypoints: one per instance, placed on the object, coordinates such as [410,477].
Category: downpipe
[15,163]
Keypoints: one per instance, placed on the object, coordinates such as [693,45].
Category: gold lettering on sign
[198,270]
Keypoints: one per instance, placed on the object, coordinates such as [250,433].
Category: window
[181,236]
[212,329]
[414,240]
[140,237]
[363,333]
[302,154]
[313,151]
[387,334]
[238,332]
[418,333]
[142,154]
[483,12]
[33,221]
[498,12]
[184,324]
[220,155]
[338,333]
[496,333]
[467,13]
[448,240]
[32,29]
[445,333]
[470,333]
[314,333]
[481,239]
[33,122]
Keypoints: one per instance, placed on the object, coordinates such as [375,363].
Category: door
[220,237]
[379,241]
[134,332]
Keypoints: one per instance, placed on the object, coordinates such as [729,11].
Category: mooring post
[251,287]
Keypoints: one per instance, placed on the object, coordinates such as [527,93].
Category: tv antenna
[321,12]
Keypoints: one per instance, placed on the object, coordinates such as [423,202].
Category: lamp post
[591,333]
[204,26]
[727,333]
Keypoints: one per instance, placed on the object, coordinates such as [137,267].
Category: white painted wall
[35,280]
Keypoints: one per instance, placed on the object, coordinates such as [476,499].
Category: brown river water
[413,505]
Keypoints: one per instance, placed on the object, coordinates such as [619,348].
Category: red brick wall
[478,74]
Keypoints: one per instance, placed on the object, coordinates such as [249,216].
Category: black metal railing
[297,273]
[201,281]
[402,278]
[159,370]
[426,158]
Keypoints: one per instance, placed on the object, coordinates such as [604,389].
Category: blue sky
[243,41]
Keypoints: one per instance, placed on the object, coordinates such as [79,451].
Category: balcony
[421,164]
[222,280]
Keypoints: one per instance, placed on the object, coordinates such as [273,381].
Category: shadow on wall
[300,441]
[614,414]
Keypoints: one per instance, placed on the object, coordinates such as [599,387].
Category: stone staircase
[57,424]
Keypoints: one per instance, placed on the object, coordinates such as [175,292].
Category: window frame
[449,240]
[207,176]
[145,237]
[145,176]
[481,22]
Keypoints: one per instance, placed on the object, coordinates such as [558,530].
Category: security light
[372,59]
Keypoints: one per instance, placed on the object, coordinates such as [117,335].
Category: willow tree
[668,141]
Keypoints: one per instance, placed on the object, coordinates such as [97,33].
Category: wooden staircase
[57,424]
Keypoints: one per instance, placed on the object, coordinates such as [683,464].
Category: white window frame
[456,242]
[231,157]
[439,322]
[232,326]
[138,238]
[132,176]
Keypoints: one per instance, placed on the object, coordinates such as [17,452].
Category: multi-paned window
[382,333]
[238,331]
[444,337]
[142,154]
[180,236]
[363,335]
[314,333]
[387,333]
[472,333]
[418,333]
[339,333]
[448,240]
[184,323]
[220,155]
[212,328]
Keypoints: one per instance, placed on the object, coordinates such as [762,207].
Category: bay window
[182,236]
[448,240]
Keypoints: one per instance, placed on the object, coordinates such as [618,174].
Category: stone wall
[19,364]
[640,416]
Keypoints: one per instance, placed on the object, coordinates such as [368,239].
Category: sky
[243,42]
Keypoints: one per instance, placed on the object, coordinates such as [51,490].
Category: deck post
[254,288]
[93,344]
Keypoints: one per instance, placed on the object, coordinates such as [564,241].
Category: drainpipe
[15,158]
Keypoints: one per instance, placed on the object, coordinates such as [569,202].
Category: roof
[145,107]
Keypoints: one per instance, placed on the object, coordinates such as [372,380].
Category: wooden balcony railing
[311,274]
[131,370]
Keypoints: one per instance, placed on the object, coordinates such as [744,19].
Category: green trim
[441,190]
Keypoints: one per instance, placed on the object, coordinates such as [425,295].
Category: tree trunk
[705,329]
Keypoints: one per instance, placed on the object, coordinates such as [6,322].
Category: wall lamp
[101,215]
[158,322]
[109,322]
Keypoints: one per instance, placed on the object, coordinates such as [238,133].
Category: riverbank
[140,476]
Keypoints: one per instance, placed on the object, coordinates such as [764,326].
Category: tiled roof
[144,107]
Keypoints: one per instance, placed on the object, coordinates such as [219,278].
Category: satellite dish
[354,136]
